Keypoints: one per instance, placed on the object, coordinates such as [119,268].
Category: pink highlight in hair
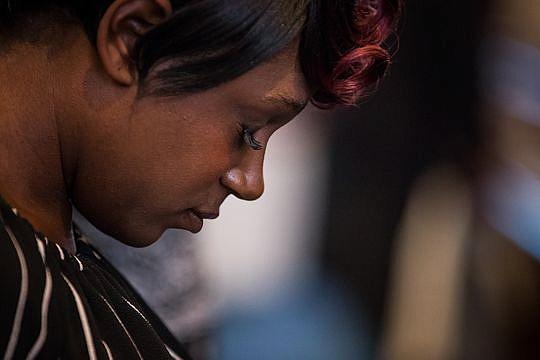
[356,72]
[356,59]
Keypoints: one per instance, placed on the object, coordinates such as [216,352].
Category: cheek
[142,170]
[181,156]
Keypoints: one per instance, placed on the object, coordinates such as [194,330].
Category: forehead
[280,77]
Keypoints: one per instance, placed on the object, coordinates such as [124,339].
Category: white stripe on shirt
[23,293]
[36,348]
[41,248]
[121,324]
[81,267]
[84,321]
[60,251]
[172,353]
[107,349]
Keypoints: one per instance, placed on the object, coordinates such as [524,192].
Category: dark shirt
[57,305]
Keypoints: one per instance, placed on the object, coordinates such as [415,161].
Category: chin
[127,230]
[193,231]
[142,239]
[136,236]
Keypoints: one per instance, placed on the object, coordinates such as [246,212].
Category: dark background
[424,113]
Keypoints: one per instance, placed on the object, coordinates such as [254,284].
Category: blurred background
[408,228]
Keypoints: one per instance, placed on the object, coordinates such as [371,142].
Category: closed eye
[250,140]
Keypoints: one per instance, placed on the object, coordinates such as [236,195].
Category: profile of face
[149,163]
[158,114]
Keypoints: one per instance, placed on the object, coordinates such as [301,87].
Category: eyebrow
[292,104]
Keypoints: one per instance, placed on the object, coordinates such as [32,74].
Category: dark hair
[208,42]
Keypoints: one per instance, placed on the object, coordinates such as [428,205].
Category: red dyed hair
[343,52]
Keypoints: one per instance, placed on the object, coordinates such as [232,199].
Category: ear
[123,23]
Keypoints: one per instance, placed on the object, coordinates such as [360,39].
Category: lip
[191,221]
[202,214]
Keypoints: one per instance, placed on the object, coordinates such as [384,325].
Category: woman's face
[148,164]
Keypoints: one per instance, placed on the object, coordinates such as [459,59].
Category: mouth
[193,219]
[205,214]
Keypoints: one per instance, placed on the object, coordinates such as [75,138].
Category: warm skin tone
[72,128]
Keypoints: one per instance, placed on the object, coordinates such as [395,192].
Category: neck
[35,173]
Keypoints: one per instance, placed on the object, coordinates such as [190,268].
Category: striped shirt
[57,305]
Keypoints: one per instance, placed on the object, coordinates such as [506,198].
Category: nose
[245,180]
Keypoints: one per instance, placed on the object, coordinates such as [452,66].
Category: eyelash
[249,139]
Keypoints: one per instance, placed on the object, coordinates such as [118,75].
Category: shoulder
[26,281]
[43,312]
[75,306]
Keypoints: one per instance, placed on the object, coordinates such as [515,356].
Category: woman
[145,115]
